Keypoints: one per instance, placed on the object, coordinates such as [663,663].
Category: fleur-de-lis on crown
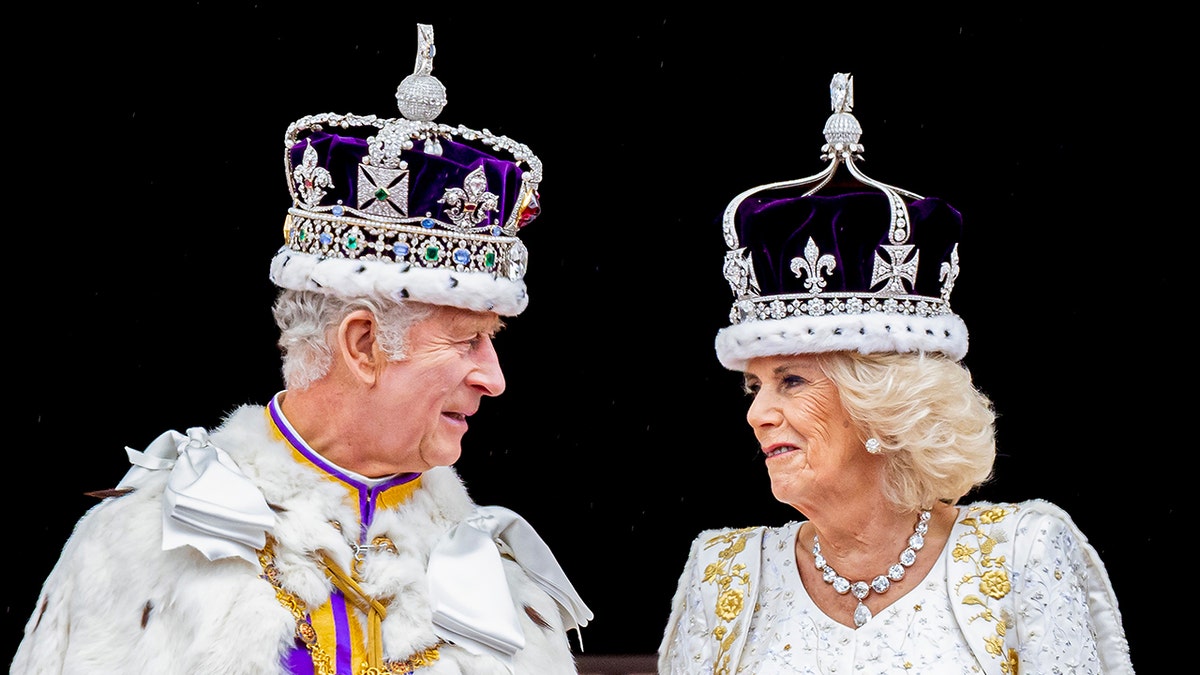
[949,274]
[311,179]
[811,264]
[469,205]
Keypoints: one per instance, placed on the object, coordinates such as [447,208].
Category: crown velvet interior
[850,227]
[429,175]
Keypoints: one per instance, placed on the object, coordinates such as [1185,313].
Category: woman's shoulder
[733,535]
[1023,531]
[1019,514]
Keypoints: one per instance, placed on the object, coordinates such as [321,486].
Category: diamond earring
[873,446]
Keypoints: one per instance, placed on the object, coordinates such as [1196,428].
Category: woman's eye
[790,381]
[750,389]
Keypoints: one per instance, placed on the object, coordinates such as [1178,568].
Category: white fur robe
[115,602]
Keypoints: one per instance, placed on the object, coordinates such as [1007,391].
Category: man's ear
[357,348]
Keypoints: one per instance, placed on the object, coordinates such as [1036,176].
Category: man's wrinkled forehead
[458,320]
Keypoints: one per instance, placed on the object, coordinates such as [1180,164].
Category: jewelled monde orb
[421,97]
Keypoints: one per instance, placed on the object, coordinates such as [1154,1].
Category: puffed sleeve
[1067,618]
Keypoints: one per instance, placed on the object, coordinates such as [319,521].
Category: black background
[150,195]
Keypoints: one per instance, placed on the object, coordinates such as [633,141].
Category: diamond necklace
[861,589]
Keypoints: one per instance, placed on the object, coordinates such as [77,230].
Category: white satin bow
[472,605]
[209,504]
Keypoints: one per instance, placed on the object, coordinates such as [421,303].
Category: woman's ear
[357,348]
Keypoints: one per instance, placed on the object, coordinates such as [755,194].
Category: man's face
[421,404]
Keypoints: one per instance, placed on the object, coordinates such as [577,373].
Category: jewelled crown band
[408,208]
[866,268]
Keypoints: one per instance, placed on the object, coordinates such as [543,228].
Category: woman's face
[814,453]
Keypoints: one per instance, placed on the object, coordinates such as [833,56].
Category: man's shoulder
[244,420]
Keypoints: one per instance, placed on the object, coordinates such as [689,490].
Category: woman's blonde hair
[936,429]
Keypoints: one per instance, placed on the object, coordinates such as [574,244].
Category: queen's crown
[864,266]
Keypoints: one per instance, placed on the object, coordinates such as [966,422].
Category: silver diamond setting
[881,583]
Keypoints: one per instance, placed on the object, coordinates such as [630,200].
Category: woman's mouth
[778,450]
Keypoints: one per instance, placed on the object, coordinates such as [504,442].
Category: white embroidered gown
[1047,620]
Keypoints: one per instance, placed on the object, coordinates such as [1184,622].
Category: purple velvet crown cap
[406,208]
[428,176]
[851,228]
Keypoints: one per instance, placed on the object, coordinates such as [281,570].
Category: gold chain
[322,663]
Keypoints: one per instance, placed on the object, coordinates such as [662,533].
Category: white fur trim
[176,613]
[357,278]
[865,333]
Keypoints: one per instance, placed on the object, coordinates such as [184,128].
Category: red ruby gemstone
[529,210]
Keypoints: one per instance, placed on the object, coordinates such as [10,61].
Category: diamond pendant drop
[861,614]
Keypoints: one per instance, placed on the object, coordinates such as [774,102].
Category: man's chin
[443,456]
